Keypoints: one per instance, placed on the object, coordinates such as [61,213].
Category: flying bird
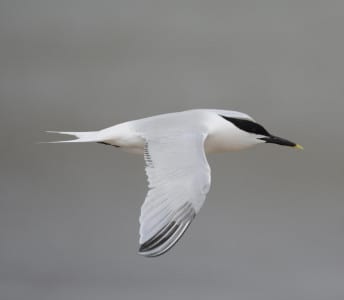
[174,147]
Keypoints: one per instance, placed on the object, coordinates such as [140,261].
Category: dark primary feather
[170,234]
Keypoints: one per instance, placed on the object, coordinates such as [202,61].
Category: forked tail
[81,137]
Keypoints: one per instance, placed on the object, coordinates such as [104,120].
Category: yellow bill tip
[297,146]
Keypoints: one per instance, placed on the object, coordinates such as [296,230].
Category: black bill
[279,141]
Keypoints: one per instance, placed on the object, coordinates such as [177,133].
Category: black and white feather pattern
[179,179]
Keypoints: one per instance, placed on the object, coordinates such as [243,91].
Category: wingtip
[143,252]
[166,237]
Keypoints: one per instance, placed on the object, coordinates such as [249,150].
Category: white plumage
[174,147]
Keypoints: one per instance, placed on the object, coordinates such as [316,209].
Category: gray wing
[179,179]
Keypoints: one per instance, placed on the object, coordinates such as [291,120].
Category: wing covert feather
[179,179]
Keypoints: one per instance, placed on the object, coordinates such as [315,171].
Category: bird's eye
[248,126]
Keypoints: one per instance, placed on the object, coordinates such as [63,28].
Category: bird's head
[257,133]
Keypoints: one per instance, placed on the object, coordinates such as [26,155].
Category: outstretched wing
[179,179]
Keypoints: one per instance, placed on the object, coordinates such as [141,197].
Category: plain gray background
[273,225]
